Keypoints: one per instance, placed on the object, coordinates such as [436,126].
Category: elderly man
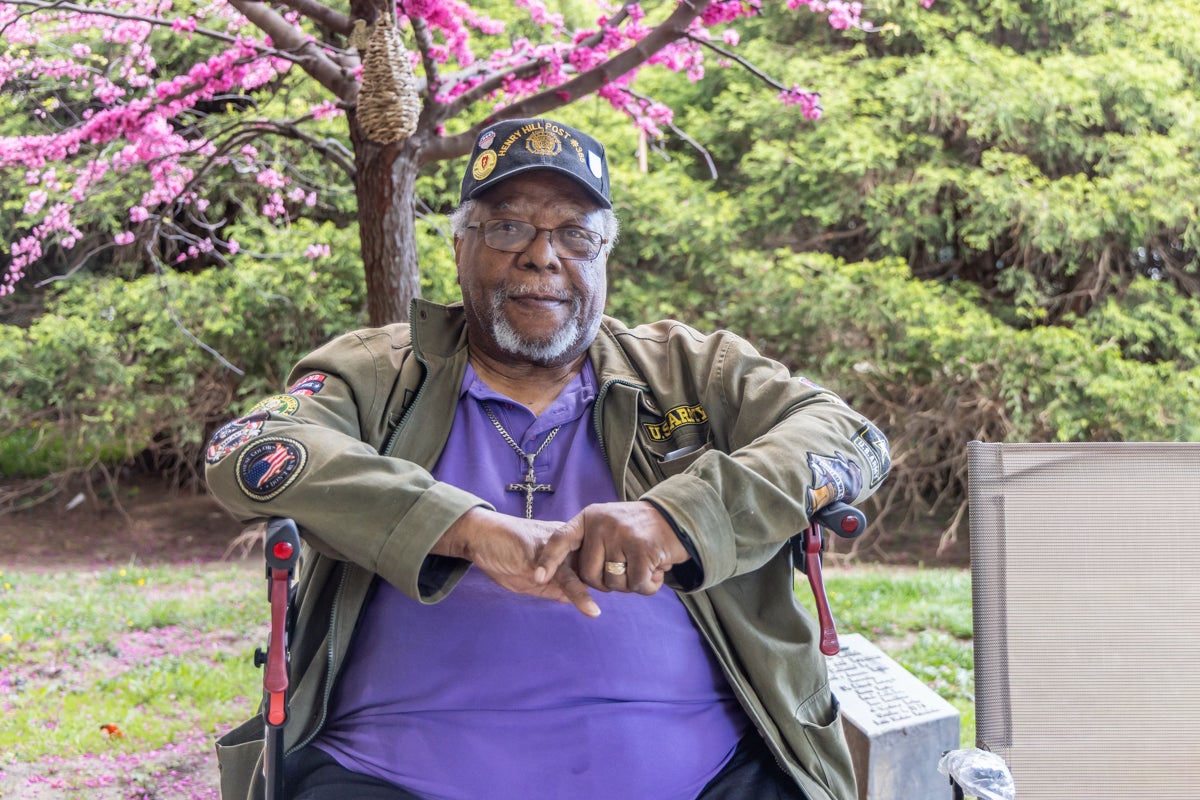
[493,497]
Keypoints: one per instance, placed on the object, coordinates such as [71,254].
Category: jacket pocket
[239,757]
[676,462]
[827,756]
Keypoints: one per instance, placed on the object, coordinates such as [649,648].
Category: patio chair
[1085,561]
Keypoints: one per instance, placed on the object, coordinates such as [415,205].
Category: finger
[643,574]
[576,591]
[558,547]
[616,572]
[592,558]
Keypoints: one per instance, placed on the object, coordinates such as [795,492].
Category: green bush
[936,370]
[120,369]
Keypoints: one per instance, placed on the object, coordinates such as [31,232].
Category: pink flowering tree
[169,105]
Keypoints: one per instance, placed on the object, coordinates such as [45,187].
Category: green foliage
[1033,147]
[935,370]
[112,368]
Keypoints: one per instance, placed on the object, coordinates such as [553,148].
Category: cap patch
[595,164]
[265,470]
[486,140]
[484,164]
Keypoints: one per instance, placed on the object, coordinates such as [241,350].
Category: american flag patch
[269,467]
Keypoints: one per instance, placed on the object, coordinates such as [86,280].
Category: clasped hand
[560,561]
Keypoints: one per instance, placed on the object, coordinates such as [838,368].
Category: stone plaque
[897,727]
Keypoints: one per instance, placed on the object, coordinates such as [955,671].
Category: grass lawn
[114,682]
[919,617]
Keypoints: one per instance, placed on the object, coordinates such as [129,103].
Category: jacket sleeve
[780,449]
[313,454]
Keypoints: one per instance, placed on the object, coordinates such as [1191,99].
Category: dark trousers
[752,773]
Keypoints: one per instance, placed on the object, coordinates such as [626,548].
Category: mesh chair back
[1086,580]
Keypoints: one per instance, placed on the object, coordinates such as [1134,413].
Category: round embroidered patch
[278,404]
[233,435]
[270,466]
[484,164]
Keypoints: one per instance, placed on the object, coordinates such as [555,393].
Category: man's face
[534,306]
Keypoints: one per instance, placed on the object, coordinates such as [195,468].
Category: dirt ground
[155,524]
[151,524]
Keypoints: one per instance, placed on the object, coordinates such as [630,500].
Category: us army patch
[677,417]
[233,435]
[873,445]
[269,467]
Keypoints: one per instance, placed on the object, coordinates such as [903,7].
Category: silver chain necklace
[530,485]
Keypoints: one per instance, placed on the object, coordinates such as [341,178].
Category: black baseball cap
[514,146]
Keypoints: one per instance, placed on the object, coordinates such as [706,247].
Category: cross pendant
[529,487]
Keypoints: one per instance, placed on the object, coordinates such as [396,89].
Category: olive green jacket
[368,506]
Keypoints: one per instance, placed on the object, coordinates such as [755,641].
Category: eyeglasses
[513,236]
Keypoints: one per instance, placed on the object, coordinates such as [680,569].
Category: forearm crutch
[281,548]
[844,520]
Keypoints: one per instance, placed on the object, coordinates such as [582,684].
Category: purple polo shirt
[491,694]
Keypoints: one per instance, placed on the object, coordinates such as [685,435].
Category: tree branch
[334,76]
[732,56]
[323,15]
[670,30]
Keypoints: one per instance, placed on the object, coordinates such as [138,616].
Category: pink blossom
[809,102]
[272,179]
[317,251]
[273,208]
[326,110]
[36,201]
[138,214]
[125,237]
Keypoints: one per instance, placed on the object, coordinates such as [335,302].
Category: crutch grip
[281,548]
[841,518]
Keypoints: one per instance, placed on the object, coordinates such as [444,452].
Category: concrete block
[897,727]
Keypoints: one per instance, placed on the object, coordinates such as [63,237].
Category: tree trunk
[386,184]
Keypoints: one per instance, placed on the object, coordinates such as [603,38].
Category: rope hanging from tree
[388,103]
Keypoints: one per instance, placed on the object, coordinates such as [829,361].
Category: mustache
[508,292]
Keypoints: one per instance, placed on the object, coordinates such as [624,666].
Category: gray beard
[508,340]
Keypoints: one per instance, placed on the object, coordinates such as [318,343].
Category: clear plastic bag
[980,774]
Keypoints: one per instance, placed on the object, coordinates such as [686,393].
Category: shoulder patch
[284,404]
[233,435]
[834,478]
[265,470]
[870,442]
[309,385]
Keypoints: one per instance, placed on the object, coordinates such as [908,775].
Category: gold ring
[614,567]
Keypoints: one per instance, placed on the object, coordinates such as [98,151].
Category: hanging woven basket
[388,103]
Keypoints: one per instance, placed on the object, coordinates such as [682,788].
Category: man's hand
[506,548]
[633,534]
